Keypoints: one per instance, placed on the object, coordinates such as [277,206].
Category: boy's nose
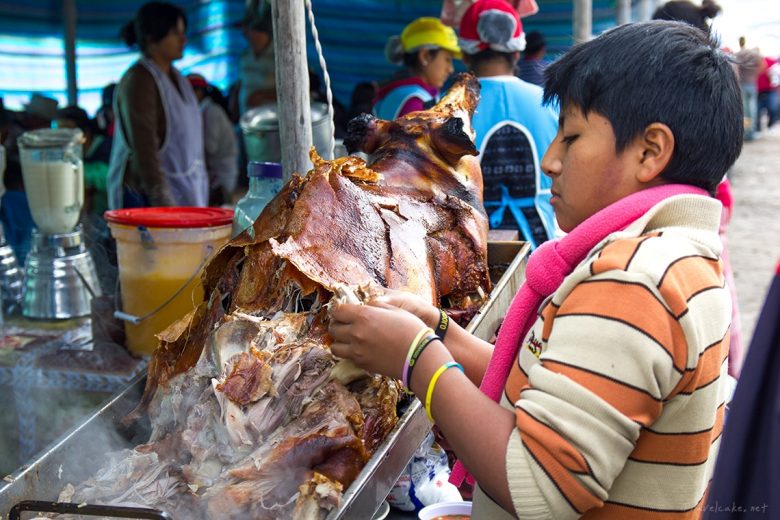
[551,164]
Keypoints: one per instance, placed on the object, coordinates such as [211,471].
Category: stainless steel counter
[43,478]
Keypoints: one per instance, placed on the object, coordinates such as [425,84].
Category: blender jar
[53,175]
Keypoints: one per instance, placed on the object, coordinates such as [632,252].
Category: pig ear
[365,133]
[453,141]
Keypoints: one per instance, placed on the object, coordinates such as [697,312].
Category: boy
[614,404]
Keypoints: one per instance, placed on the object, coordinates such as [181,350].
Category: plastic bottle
[265,181]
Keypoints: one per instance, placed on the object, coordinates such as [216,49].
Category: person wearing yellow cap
[426,48]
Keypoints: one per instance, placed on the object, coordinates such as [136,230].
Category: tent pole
[292,85]
[69,22]
[623,14]
[583,20]
[646,8]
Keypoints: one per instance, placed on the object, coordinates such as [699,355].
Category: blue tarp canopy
[352,32]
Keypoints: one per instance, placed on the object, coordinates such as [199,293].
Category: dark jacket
[746,483]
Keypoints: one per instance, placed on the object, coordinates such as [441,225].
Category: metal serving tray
[362,499]
[46,475]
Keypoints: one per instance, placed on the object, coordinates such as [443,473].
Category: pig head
[431,151]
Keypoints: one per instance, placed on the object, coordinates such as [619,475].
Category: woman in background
[220,143]
[426,48]
[157,154]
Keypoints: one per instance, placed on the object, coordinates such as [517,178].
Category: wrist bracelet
[432,384]
[418,350]
[444,323]
[412,346]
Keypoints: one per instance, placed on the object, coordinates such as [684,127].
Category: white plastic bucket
[161,252]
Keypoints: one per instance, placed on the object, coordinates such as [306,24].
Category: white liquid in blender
[55,192]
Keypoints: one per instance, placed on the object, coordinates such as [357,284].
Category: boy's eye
[568,139]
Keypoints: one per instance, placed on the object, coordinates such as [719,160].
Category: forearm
[476,427]
[468,350]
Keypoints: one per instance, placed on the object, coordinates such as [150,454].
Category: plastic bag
[424,480]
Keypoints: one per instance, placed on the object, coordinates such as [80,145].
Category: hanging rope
[328,92]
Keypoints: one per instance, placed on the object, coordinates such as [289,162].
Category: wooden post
[582,20]
[292,85]
[623,14]
[69,24]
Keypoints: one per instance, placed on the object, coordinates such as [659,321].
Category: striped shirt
[619,388]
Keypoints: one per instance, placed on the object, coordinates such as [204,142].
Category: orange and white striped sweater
[620,384]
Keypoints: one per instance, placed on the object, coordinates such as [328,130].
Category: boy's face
[587,173]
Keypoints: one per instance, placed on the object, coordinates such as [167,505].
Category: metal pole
[292,85]
[583,20]
[623,14]
[69,22]
[646,9]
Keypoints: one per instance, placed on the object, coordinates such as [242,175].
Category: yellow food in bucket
[142,293]
[160,266]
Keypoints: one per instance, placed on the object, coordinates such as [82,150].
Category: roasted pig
[252,416]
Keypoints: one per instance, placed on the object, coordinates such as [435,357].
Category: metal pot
[260,128]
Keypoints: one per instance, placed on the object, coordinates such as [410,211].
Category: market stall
[264,301]
[64,461]
[244,310]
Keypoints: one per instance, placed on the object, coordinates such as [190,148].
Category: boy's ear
[657,146]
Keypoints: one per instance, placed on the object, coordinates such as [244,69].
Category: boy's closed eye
[568,139]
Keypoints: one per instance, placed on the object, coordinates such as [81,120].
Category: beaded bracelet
[432,384]
[412,346]
[444,323]
[418,350]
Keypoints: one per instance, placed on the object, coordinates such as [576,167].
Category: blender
[60,278]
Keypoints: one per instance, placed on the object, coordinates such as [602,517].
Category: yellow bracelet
[412,346]
[432,384]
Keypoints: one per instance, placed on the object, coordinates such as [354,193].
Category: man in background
[749,64]
[531,66]
[257,70]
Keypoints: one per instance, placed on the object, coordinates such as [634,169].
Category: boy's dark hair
[667,72]
[152,23]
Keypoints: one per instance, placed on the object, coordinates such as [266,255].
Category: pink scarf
[544,273]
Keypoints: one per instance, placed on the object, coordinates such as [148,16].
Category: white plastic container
[463,509]
[160,252]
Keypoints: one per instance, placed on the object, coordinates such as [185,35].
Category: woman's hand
[375,336]
[412,303]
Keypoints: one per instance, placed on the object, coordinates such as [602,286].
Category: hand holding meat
[375,336]
[410,302]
